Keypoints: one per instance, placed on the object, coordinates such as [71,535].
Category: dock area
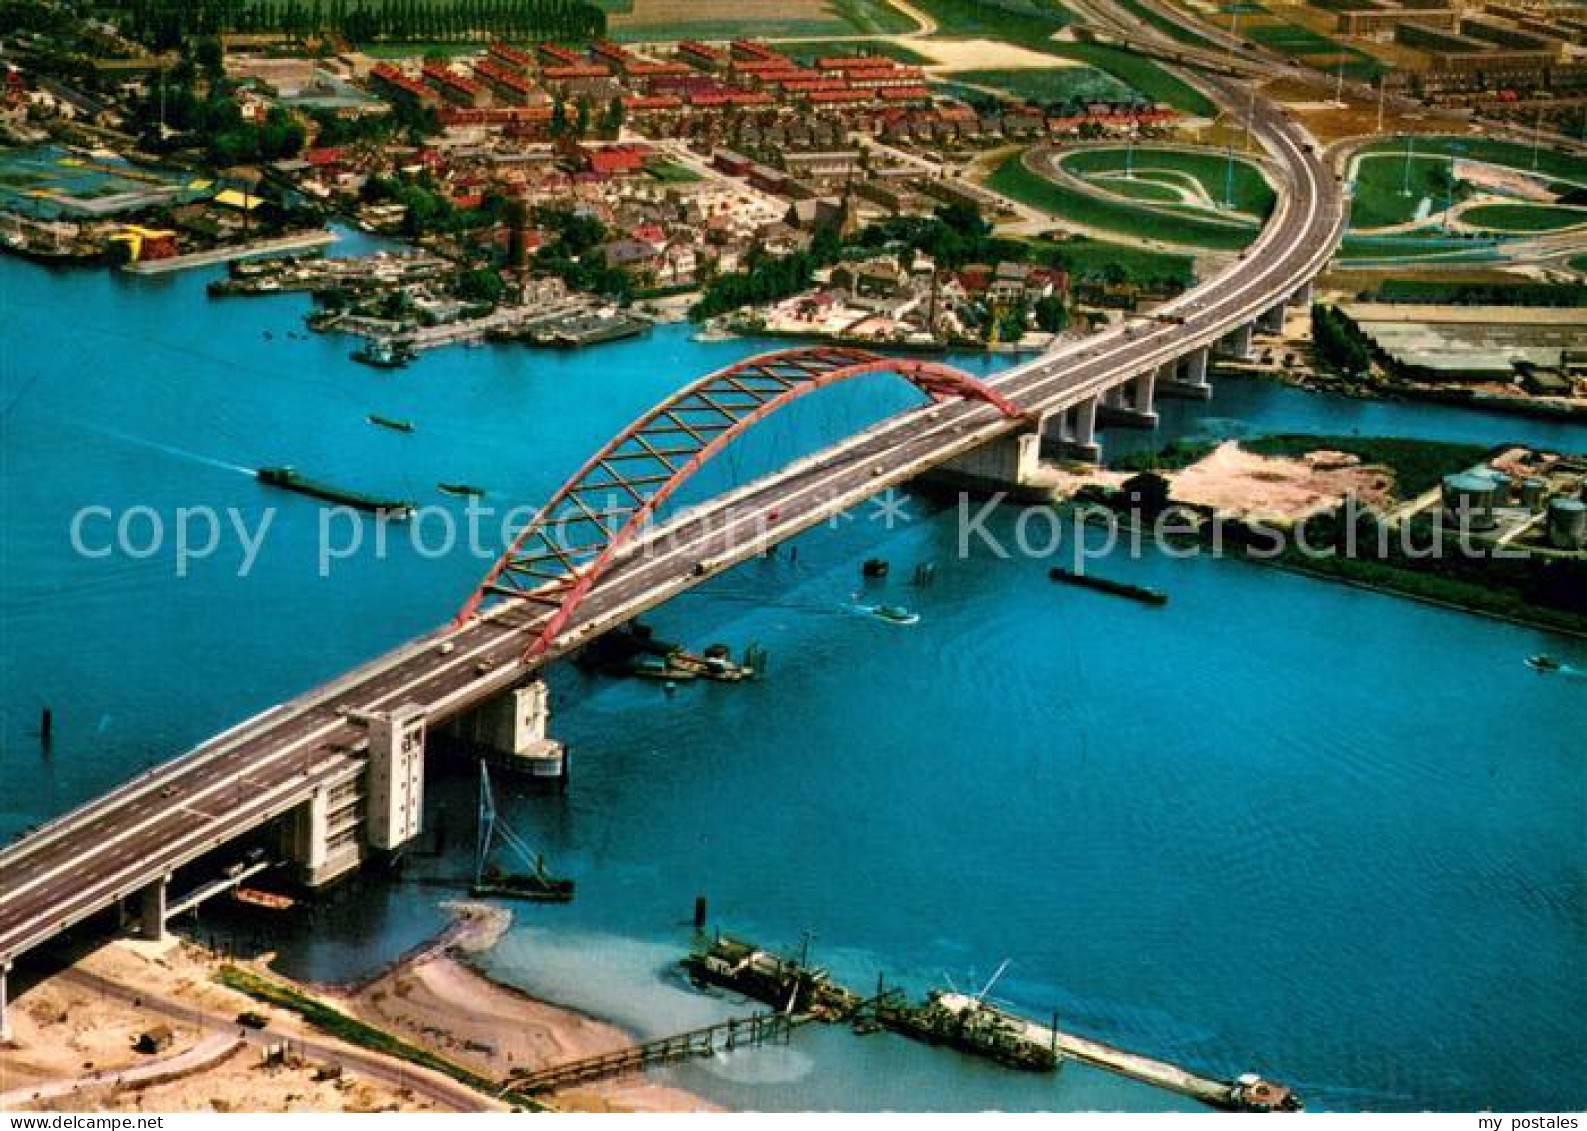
[301,241]
[964,1021]
[505,323]
[293,273]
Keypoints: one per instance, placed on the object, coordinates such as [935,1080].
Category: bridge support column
[324,837]
[5,1002]
[1130,405]
[1272,320]
[396,777]
[512,729]
[151,910]
[1304,297]
[1188,382]
[1071,433]
[1237,343]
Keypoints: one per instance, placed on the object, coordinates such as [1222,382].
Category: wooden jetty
[738,1032]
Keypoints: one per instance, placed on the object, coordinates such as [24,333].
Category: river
[1280,824]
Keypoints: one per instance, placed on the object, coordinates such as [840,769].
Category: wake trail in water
[170,449]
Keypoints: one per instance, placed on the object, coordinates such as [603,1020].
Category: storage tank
[1501,486]
[1567,523]
[1532,493]
[1468,501]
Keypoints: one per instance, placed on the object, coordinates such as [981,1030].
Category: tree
[481,285]
[1051,314]
[612,122]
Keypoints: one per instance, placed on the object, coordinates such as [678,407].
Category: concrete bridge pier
[151,910]
[1304,297]
[324,837]
[1187,377]
[1007,463]
[1272,320]
[1071,433]
[1237,343]
[1131,405]
[5,1002]
[512,729]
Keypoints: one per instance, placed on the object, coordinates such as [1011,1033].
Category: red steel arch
[557,559]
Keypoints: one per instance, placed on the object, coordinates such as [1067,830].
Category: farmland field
[727,19]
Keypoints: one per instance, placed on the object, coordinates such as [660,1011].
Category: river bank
[78,1033]
[439,998]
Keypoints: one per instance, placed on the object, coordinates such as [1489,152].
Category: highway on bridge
[109,848]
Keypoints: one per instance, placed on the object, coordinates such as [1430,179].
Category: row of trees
[167,23]
[1339,341]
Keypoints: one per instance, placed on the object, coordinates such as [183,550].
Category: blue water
[1279,824]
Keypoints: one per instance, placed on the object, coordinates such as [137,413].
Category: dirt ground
[66,1030]
[74,1036]
[1242,484]
[985,55]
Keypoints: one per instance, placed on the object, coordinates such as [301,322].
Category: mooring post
[699,914]
[46,726]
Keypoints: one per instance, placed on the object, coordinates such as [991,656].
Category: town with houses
[560,183]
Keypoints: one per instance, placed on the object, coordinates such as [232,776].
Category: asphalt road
[107,849]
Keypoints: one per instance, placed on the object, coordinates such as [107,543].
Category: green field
[1390,249]
[1088,257]
[1523,217]
[1165,25]
[1030,23]
[1380,198]
[670,172]
[1147,186]
[1249,189]
[1291,39]
[1059,85]
[1199,229]
[633,22]
[1154,83]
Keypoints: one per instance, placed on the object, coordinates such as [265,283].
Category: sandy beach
[437,999]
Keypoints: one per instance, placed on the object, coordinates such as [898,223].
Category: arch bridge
[564,552]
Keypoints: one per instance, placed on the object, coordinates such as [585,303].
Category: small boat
[388,422]
[1543,662]
[892,614]
[462,489]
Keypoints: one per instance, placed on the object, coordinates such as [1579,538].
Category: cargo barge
[289,480]
[788,985]
[1139,593]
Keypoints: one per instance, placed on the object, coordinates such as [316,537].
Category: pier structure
[337,772]
[724,1036]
